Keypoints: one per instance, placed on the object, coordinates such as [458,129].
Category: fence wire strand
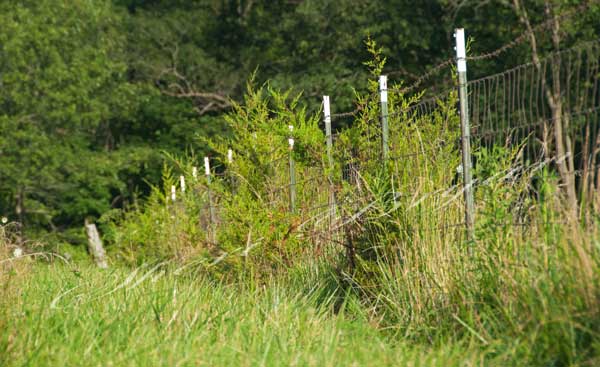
[514,109]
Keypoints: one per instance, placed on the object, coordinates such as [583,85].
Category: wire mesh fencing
[541,116]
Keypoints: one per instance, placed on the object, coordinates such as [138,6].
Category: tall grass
[525,290]
[11,269]
[151,317]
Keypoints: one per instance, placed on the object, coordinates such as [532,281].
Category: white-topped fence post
[211,210]
[230,173]
[292,171]
[461,60]
[230,156]
[385,130]
[329,142]
[182,183]
[173,193]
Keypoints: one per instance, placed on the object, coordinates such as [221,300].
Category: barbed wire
[433,71]
[495,53]
[321,208]
[485,56]
[523,37]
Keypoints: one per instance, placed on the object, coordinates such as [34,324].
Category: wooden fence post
[95,244]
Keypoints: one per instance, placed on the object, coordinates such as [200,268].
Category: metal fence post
[327,117]
[461,57]
[230,173]
[173,194]
[383,95]
[210,201]
[230,156]
[292,172]
[182,183]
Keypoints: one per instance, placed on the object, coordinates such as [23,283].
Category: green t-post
[292,172]
[329,141]
[461,57]
[385,130]
[211,210]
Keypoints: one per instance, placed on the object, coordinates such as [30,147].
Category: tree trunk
[564,155]
[563,146]
[565,159]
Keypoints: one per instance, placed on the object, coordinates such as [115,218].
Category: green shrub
[528,281]
[254,231]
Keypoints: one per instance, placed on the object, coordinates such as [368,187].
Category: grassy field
[405,287]
[61,316]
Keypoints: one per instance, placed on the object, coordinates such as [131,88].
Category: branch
[181,87]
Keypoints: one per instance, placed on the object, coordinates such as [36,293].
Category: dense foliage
[93,91]
[108,106]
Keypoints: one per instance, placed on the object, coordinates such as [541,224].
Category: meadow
[76,314]
[58,315]
[360,261]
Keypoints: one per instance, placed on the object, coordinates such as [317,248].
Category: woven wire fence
[524,109]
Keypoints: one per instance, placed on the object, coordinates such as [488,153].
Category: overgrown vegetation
[540,312]
[151,317]
[93,91]
[368,264]
[526,289]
